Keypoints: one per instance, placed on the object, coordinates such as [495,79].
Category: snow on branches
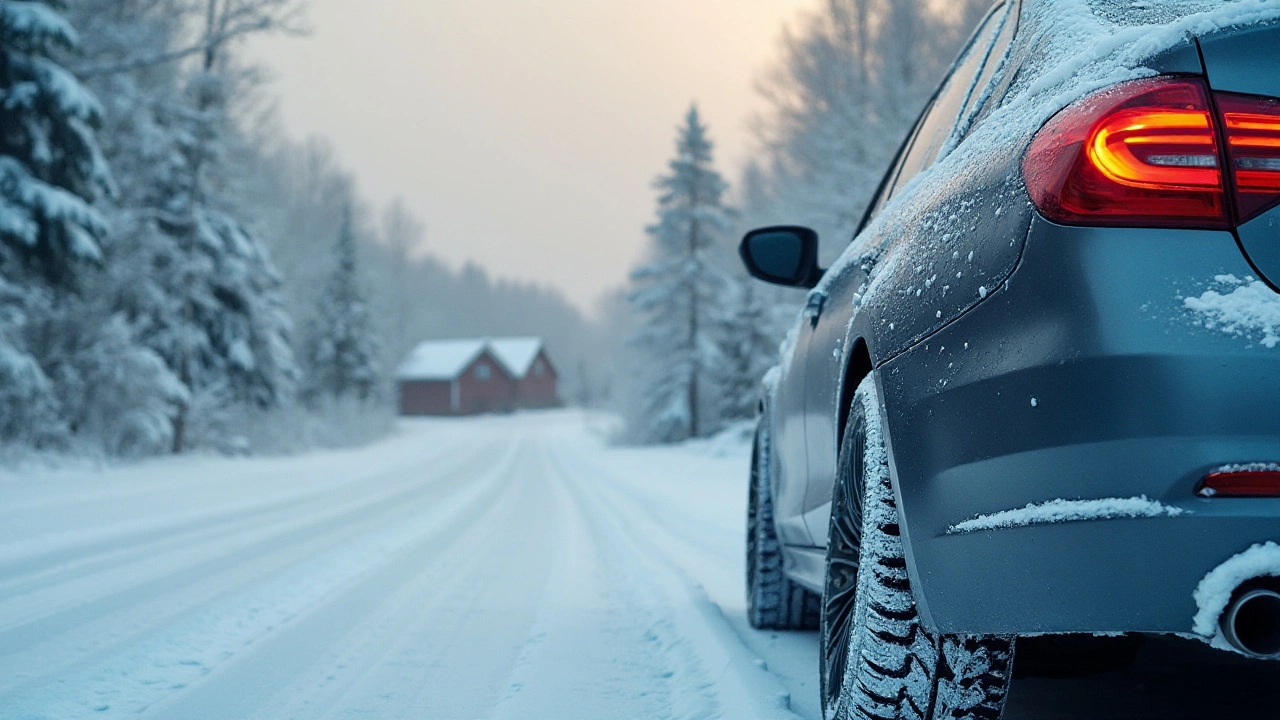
[680,294]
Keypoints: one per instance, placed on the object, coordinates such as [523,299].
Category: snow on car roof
[446,359]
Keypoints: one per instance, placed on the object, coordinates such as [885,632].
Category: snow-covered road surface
[507,567]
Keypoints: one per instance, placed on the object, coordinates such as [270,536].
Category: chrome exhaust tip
[1251,623]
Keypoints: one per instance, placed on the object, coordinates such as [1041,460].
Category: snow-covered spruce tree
[342,347]
[112,393]
[195,284]
[680,295]
[118,397]
[51,170]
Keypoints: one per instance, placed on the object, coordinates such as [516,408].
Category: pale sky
[526,133]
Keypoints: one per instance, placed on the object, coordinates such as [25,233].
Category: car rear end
[1095,447]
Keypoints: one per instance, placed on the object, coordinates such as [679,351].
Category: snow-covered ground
[507,567]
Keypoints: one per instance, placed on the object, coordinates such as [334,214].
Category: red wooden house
[465,377]
[536,379]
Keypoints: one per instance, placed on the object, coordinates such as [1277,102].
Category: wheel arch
[858,366]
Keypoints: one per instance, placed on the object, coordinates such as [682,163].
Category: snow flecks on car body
[1247,308]
[1214,592]
[1056,511]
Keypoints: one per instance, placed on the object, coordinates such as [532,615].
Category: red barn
[535,377]
[464,377]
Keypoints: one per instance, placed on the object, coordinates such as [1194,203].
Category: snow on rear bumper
[1086,379]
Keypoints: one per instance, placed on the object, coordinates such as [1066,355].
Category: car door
[788,456]
[830,315]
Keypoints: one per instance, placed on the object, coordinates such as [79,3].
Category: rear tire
[774,602]
[877,659]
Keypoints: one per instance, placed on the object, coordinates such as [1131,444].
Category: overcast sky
[526,133]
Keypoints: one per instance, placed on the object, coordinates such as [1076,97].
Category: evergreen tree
[679,294]
[205,294]
[343,349]
[51,170]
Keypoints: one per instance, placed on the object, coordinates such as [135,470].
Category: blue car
[1039,393]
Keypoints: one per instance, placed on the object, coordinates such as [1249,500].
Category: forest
[179,274]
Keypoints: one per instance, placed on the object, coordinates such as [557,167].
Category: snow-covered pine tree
[196,284]
[342,347]
[680,294]
[51,170]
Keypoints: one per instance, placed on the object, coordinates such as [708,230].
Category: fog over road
[509,567]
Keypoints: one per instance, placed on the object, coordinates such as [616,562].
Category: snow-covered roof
[516,353]
[446,359]
[440,359]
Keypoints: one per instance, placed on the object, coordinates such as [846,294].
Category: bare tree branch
[234,19]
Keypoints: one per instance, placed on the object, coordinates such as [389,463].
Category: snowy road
[509,567]
[496,568]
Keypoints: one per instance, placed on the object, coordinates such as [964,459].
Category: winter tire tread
[774,602]
[896,668]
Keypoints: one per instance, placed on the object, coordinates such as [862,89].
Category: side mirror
[782,255]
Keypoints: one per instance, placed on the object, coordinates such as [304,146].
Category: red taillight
[1241,483]
[1147,153]
[1143,153]
[1253,141]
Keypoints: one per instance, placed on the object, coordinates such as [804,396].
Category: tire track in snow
[336,654]
[592,652]
[147,665]
[700,548]
[31,539]
[458,624]
[147,594]
[742,687]
[694,663]
[33,559]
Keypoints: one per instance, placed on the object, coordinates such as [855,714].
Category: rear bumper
[1085,377]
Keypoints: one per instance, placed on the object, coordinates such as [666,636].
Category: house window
[482,373]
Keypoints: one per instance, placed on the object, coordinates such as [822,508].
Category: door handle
[813,306]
